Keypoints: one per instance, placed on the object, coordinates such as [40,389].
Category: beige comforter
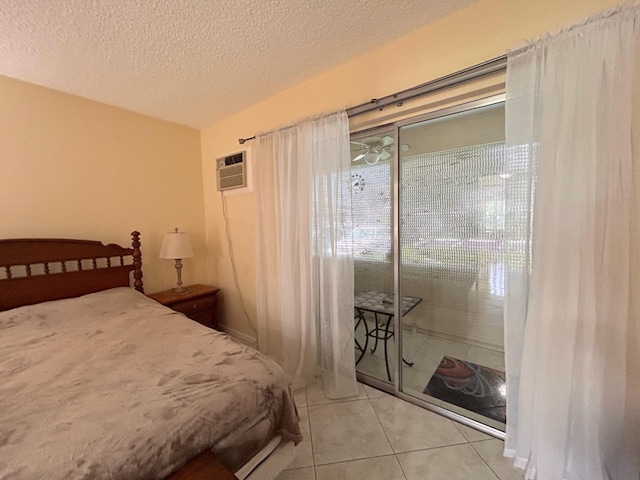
[114,385]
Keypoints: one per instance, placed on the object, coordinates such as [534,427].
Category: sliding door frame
[397,389]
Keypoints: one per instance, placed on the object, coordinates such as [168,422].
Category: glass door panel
[373,153]
[451,206]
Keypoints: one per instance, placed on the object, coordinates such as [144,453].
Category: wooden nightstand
[198,302]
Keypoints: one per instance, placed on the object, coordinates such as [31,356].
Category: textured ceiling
[194,62]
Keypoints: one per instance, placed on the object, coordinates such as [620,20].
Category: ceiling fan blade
[361,150]
[386,141]
[384,155]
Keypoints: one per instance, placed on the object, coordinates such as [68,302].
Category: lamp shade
[176,245]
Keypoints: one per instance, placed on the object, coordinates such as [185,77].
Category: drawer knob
[195,306]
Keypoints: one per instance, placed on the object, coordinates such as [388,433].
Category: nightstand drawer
[206,318]
[195,305]
[198,302]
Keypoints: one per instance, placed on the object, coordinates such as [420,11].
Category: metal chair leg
[376,334]
[360,317]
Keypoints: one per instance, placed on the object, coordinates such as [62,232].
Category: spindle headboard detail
[34,270]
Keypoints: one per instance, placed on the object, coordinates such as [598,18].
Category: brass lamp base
[179,288]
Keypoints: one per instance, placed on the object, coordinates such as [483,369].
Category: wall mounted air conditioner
[231,171]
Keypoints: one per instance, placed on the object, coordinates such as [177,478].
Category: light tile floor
[426,351]
[376,436]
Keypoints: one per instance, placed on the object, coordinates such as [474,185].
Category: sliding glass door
[452,190]
[373,157]
[429,231]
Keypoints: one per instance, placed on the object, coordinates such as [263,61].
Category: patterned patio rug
[470,386]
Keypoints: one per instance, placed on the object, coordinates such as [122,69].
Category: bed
[99,381]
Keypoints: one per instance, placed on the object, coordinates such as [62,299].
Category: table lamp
[177,245]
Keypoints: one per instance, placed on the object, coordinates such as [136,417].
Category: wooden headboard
[34,270]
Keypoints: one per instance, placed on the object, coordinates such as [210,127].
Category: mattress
[114,385]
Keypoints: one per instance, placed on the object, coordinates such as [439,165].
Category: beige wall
[482,31]
[75,168]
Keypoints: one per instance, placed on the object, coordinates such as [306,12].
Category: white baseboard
[241,337]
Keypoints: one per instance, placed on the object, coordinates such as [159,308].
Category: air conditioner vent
[231,171]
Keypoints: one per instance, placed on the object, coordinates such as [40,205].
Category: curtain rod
[486,68]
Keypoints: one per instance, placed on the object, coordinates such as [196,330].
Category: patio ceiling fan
[372,149]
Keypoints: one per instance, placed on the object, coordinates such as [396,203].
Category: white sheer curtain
[571,314]
[304,297]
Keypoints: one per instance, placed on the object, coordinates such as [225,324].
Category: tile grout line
[455,424]
[395,455]
[482,458]
[401,468]
[334,402]
[426,337]
[382,427]
[355,459]
[313,458]
[434,448]
[306,405]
